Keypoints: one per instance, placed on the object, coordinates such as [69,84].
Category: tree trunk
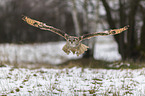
[142,43]
[132,52]
[90,42]
[75,18]
[143,37]
[89,52]
[131,46]
[109,16]
[121,37]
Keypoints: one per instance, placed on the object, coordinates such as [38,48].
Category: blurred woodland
[76,17]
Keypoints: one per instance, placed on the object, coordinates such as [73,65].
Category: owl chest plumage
[78,49]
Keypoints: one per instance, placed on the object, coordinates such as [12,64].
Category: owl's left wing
[43,26]
[109,32]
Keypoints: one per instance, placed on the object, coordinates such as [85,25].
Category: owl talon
[66,51]
[77,53]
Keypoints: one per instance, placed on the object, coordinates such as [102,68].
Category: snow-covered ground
[68,81]
[52,53]
[71,82]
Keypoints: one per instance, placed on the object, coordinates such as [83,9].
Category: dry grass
[84,63]
[92,63]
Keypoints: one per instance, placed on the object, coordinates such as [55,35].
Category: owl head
[73,41]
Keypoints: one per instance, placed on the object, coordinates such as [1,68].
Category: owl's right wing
[43,26]
[108,32]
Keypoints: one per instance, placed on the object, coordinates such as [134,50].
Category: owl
[73,43]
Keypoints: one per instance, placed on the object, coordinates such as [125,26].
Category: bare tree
[75,18]
[85,8]
[14,30]
[128,14]
[142,43]
[87,26]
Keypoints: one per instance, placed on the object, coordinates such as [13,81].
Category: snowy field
[71,82]
[52,53]
[67,81]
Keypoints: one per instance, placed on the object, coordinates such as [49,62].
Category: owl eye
[69,40]
[74,40]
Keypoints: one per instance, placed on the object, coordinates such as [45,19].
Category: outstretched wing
[43,26]
[109,32]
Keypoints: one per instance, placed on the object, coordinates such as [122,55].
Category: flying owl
[73,43]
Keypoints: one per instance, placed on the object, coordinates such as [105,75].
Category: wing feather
[43,26]
[109,32]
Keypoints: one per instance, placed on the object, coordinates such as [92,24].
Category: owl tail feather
[79,50]
[82,49]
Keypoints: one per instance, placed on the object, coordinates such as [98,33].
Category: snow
[71,81]
[45,53]
[52,53]
[106,49]
[66,81]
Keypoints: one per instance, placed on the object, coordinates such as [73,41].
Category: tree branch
[108,13]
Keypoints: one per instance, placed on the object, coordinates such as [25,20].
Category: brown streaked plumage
[73,44]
